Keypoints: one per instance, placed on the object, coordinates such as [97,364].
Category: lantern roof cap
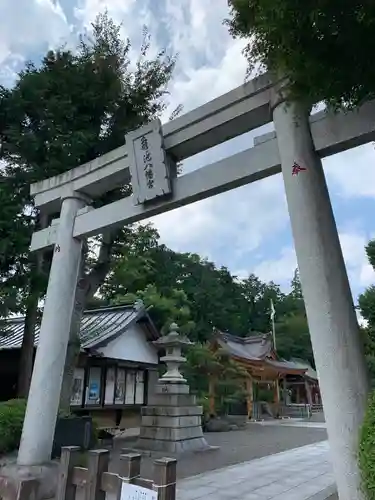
[172,339]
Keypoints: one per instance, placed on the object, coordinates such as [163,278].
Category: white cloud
[229,227]
[280,270]
[353,248]
[205,83]
[87,10]
[367,275]
[25,26]
[209,60]
[352,173]
[361,321]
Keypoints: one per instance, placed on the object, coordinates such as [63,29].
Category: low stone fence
[26,490]
[315,408]
[94,482]
[295,411]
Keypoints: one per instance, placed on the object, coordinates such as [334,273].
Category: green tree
[293,338]
[366,303]
[191,291]
[228,377]
[311,43]
[172,307]
[68,110]
[296,287]
[212,295]
[258,296]
[292,330]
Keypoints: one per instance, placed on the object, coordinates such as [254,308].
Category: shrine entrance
[149,159]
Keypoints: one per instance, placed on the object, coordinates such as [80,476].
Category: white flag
[273,312]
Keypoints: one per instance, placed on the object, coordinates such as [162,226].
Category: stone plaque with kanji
[150,166]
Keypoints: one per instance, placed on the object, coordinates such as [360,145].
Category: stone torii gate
[148,158]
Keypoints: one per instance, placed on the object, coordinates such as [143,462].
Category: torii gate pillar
[335,336]
[44,396]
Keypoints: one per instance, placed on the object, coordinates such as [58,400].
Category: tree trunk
[27,348]
[86,288]
[31,318]
[211,396]
[73,349]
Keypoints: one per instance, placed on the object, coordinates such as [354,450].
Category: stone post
[43,401]
[308,393]
[330,312]
[285,391]
[249,396]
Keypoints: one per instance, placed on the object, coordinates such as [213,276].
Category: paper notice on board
[132,492]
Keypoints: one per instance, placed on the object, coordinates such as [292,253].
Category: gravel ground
[235,447]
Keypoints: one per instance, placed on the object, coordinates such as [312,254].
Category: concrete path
[298,474]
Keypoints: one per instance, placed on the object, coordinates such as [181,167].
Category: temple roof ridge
[252,337]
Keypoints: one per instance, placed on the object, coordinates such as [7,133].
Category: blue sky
[248,229]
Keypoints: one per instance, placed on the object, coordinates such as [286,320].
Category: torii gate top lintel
[233,113]
[241,110]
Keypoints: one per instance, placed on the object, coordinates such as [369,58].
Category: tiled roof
[254,348]
[286,366]
[310,372]
[95,324]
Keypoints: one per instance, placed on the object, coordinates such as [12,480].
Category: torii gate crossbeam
[332,133]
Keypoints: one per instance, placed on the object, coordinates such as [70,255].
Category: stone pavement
[253,442]
[293,422]
[298,474]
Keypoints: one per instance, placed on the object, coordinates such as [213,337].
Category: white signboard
[77,391]
[132,492]
[150,168]
[130,387]
[109,387]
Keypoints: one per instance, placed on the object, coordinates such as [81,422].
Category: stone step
[171,421]
[186,409]
[170,434]
[171,411]
[175,447]
[174,400]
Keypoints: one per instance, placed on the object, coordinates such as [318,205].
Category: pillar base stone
[39,482]
[173,424]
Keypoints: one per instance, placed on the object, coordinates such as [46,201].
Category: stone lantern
[173,422]
[173,344]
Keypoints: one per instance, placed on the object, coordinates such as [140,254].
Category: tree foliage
[293,338]
[66,111]
[366,302]
[366,455]
[204,364]
[193,292]
[313,43]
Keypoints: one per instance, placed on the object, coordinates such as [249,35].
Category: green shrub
[12,414]
[367,450]
[266,395]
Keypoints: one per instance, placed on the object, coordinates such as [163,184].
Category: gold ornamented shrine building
[294,383]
